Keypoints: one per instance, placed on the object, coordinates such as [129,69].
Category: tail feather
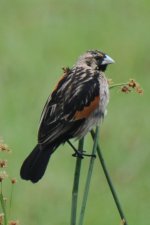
[34,166]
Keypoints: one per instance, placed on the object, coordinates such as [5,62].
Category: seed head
[132,83]
[1,218]
[3,175]
[125,89]
[3,163]
[13,181]
[110,81]
[4,148]
[66,70]
[13,222]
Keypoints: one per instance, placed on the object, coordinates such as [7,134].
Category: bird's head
[95,59]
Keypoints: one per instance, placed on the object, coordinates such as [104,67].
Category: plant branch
[88,179]
[76,185]
[114,194]
[117,85]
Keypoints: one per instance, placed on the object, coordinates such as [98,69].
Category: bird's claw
[78,154]
[81,155]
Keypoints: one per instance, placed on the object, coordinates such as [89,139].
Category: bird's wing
[74,98]
[82,98]
[50,121]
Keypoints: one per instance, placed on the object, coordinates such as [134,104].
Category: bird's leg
[78,153]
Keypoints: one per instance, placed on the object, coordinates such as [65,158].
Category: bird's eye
[98,55]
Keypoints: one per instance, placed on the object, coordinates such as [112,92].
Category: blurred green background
[37,39]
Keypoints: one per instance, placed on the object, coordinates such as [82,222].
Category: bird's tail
[34,166]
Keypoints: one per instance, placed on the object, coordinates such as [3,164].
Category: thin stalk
[3,205]
[88,179]
[11,197]
[76,185]
[117,85]
[114,194]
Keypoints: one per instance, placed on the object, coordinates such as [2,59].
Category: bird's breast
[98,114]
[104,94]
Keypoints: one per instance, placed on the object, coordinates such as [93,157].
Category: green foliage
[37,39]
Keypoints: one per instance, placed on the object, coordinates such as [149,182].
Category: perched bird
[77,103]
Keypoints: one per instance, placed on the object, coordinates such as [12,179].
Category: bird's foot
[81,154]
[78,153]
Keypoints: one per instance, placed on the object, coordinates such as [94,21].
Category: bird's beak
[107,60]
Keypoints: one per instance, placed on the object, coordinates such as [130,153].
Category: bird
[77,104]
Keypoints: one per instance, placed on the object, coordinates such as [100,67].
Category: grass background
[38,38]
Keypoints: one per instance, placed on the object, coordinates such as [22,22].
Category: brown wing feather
[75,97]
[87,110]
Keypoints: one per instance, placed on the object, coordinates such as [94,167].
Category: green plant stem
[88,179]
[3,205]
[117,85]
[11,197]
[76,185]
[114,194]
